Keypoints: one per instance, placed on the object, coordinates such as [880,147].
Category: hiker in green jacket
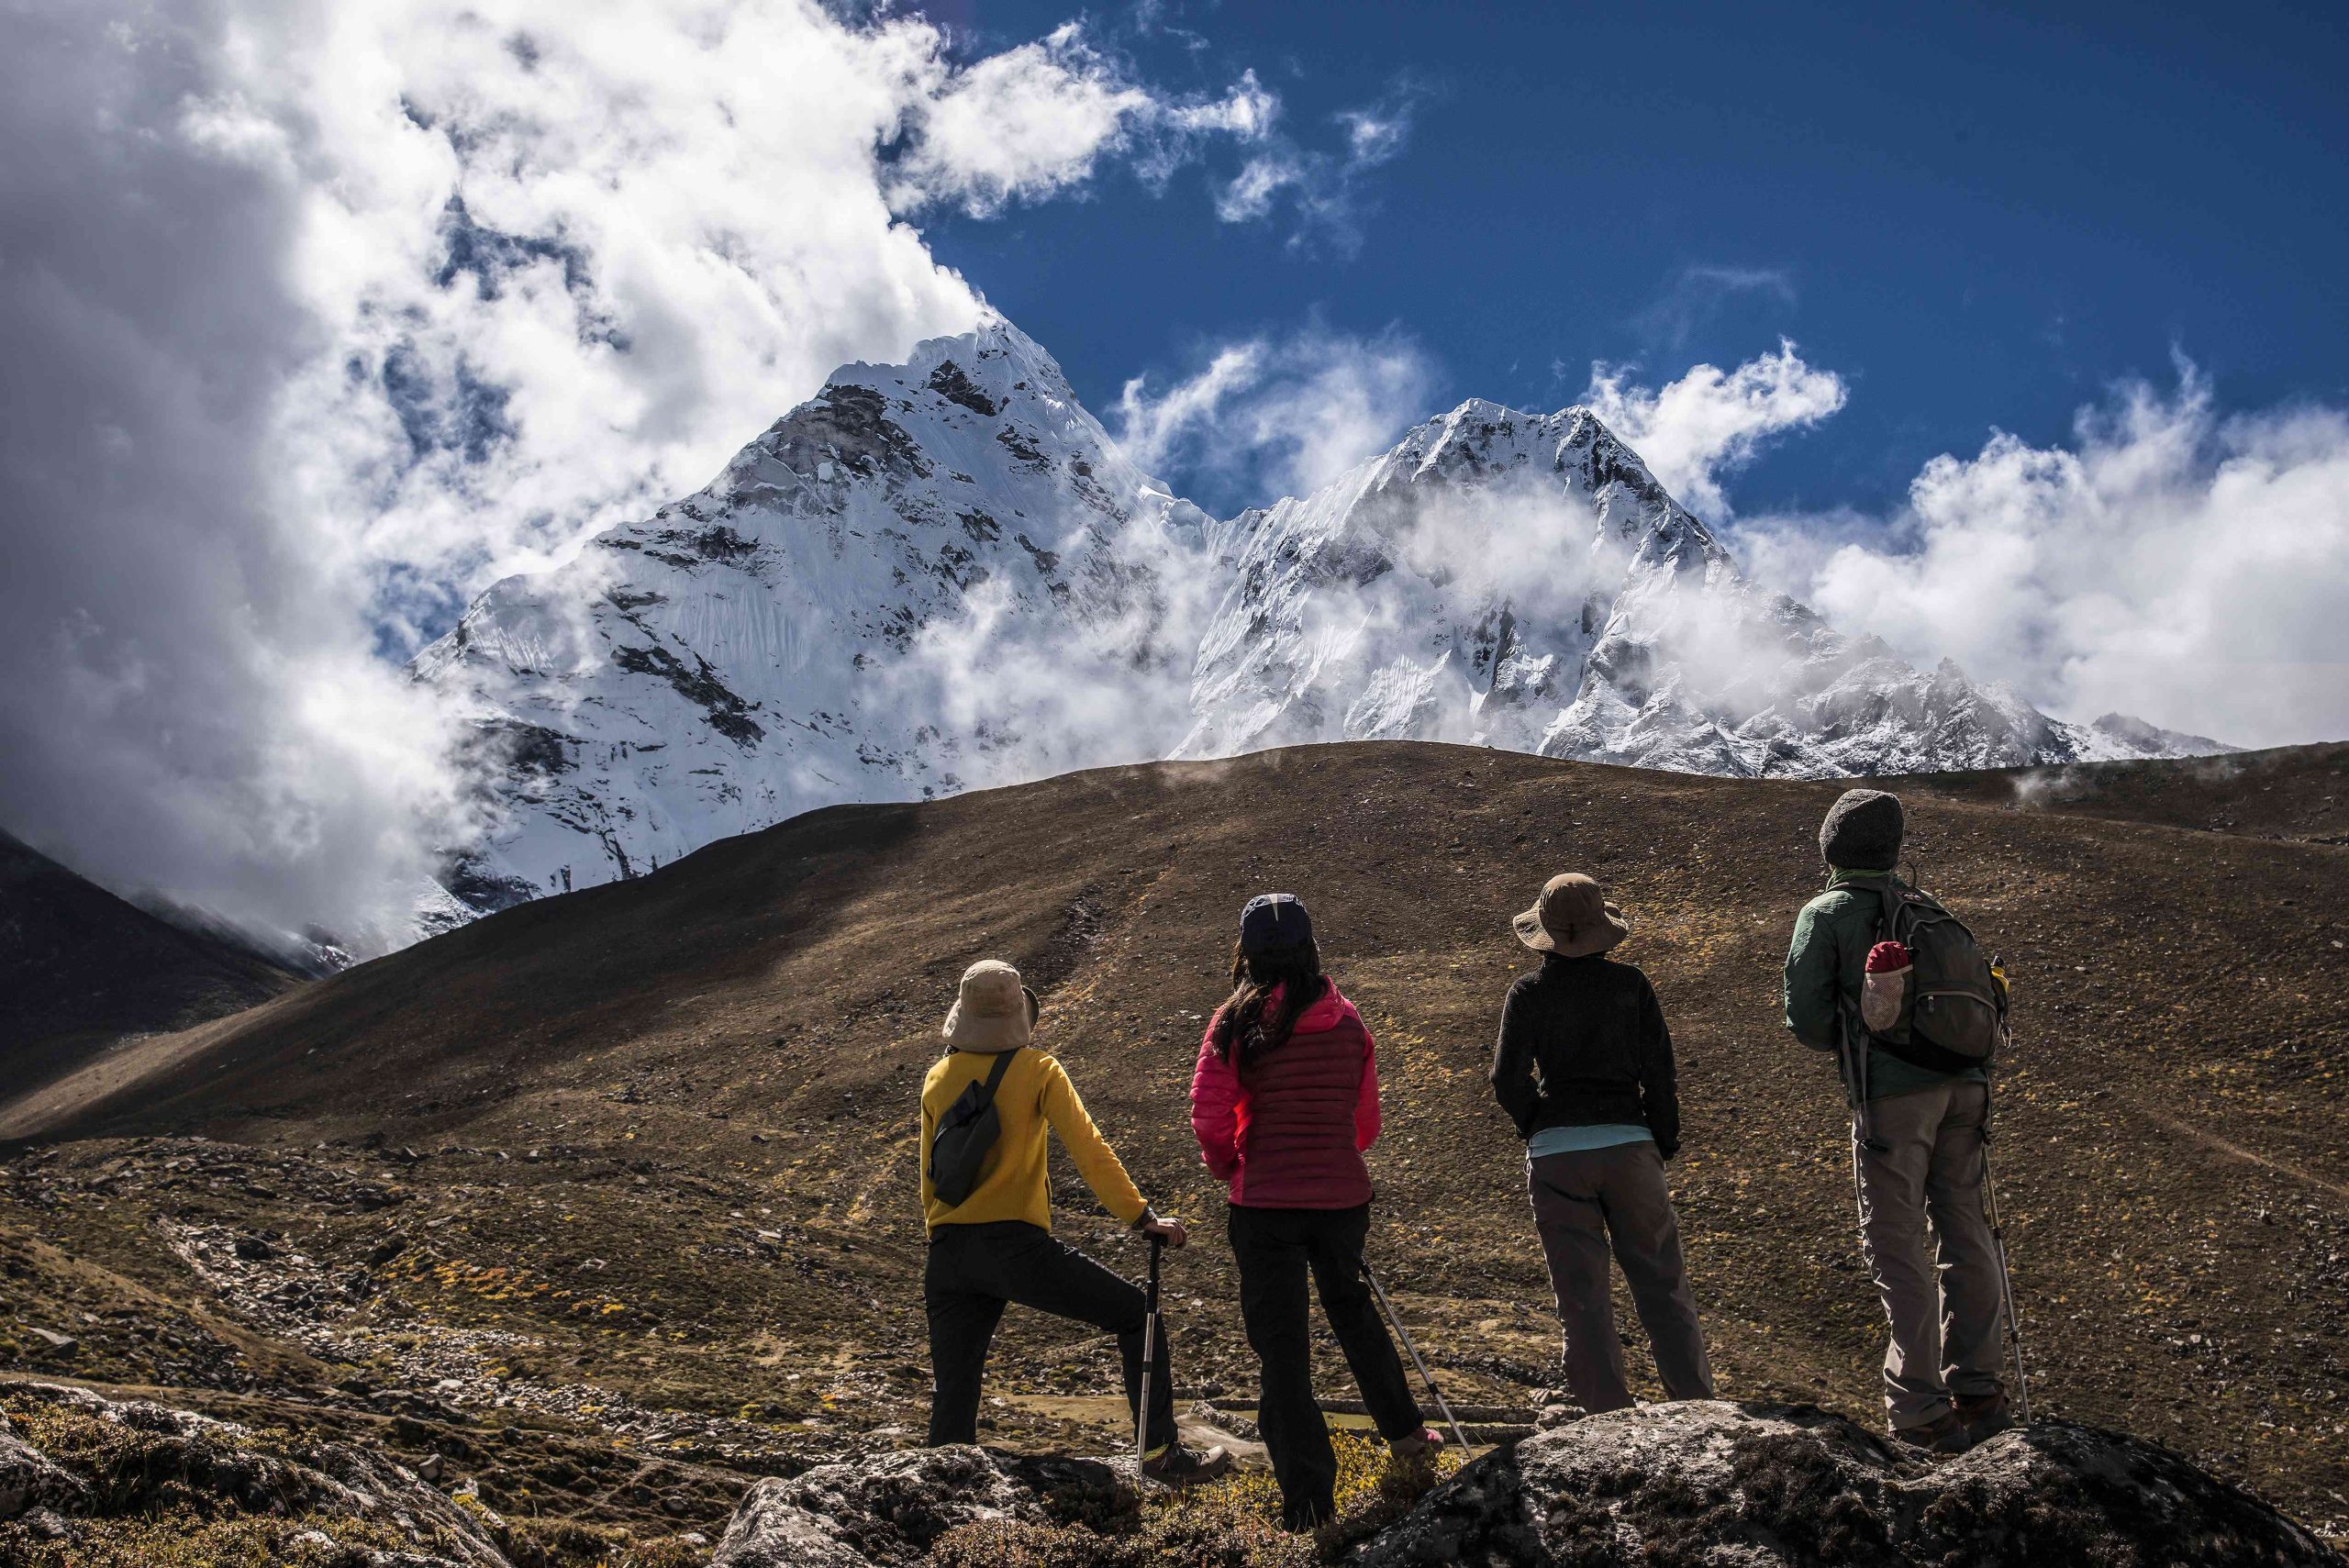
[1917,1137]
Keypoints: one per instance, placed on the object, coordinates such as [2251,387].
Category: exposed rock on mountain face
[1716,1483]
[872,601]
[944,575]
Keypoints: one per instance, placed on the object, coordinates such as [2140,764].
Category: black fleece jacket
[1582,1044]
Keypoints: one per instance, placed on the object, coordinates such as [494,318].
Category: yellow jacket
[1035,1094]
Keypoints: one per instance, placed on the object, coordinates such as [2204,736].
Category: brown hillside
[661,1132]
[80,968]
[2293,792]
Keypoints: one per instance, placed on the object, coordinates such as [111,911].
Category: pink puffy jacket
[1288,1131]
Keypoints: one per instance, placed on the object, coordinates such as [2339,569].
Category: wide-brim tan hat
[1572,918]
[992,1011]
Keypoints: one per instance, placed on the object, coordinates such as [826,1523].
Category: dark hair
[1242,1025]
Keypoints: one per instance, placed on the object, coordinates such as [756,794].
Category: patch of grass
[566,1543]
[175,1538]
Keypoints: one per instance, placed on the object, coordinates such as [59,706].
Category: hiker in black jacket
[1584,1067]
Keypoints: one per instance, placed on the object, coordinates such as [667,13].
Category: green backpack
[1953,1016]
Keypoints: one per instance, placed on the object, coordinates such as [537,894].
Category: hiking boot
[1945,1434]
[1418,1449]
[1180,1465]
[1983,1415]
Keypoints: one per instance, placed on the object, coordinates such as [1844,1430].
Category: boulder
[1711,1484]
[884,1511]
[164,1469]
[27,1479]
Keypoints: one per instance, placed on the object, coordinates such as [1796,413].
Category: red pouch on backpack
[1884,990]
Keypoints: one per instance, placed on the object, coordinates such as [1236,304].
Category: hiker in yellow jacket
[996,1246]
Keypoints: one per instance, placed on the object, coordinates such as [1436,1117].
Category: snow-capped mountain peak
[806,628]
[945,572]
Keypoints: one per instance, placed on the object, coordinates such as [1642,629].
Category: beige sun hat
[1572,918]
[993,1011]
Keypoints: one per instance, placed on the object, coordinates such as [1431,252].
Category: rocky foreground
[1665,1484]
[598,1214]
[1717,1482]
[89,1481]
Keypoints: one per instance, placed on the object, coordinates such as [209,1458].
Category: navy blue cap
[1275,920]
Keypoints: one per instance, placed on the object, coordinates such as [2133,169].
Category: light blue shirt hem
[1568,1139]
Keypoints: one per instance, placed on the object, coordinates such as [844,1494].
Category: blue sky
[1976,216]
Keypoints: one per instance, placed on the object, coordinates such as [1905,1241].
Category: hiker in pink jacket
[1284,1101]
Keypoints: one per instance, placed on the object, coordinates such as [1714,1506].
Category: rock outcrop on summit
[946,575]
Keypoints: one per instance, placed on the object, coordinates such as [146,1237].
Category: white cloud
[1710,421]
[1249,195]
[1034,120]
[1322,188]
[319,318]
[1375,134]
[1266,417]
[1022,124]
[1246,112]
[2171,562]
[1697,292]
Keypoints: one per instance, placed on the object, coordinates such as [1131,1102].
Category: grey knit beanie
[1863,831]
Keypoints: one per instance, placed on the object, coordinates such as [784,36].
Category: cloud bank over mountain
[319,319]
[2173,561]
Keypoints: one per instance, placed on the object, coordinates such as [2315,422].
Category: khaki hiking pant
[1586,1203]
[1946,1314]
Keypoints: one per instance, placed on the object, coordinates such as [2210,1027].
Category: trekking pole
[1851,1081]
[1149,1359]
[1855,1077]
[2006,1276]
[1405,1335]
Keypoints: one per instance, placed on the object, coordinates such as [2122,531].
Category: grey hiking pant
[1586,1202]
[1946,1314]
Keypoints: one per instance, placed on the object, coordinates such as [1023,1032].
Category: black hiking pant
[1275,1249]
[975,1271]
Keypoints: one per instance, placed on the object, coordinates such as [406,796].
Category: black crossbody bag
[965,1133]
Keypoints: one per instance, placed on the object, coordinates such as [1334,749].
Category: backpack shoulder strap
[996,1072]
[1888,908]
[987,1085]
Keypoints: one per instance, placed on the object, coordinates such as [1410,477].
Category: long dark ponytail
[1244,1026]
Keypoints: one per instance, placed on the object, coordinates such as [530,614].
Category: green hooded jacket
[1825,966]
